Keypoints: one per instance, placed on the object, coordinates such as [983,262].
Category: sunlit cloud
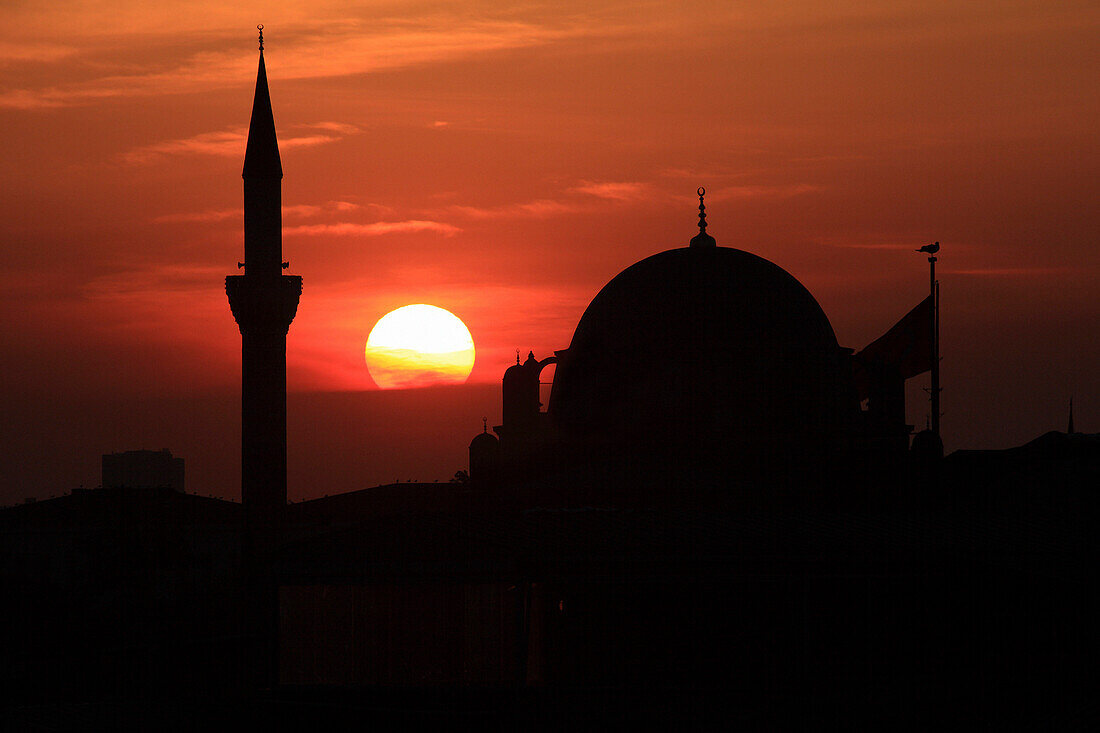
[344,47]
[374,229]
[340,127]
[148,281]
[623,191]
[232,142]
[761,191]
[297,211]
[538,209]
[577,200]
[1008,271]
[199,216]
[43,52]
[873,245]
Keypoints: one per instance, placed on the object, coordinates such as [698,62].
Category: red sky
[504,163]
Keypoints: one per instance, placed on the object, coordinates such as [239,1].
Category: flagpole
[934,289]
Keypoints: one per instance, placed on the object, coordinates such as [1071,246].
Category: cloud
[199,216]
[622,191]
[147,281]
[342,47]
[342,128]
[1008,271]
[34,52]
[375,229]
[578,199]
[761,191]
[851,245]
[301,211]
[538,209]
[228,143]
[298,211]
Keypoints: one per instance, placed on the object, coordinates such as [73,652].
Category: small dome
[926,446]
[483,441]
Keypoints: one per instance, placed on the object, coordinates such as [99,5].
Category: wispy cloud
[538,209]
[575,200]
[616,191]
[40,52]
[199,216]
[873,245]
[347,47]
[298,211]
[232,143]
[152,279]
[342,128]
[375,229]
[761,191]
[1007,271]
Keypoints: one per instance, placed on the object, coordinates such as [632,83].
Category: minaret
[263,301]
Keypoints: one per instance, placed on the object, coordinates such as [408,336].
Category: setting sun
[419,345]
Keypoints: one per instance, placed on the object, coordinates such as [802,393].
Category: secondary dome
[706,350]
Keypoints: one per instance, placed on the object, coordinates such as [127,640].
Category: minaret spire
[263,174]
[261,157]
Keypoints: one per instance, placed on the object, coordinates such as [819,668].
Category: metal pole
[935,294]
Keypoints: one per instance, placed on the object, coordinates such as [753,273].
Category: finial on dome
[702,239]
[484,424]
[260,28]
[517,357]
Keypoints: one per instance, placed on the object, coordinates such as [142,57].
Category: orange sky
[505,162]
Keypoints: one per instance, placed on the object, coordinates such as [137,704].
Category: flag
[907,347]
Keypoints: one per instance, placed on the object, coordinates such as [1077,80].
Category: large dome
[704,349]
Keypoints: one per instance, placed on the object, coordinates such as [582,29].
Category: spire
[702,239]
[261,157]
[1069,428]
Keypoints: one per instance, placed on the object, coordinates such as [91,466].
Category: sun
[418,346]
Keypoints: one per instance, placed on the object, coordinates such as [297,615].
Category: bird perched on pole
[930,248]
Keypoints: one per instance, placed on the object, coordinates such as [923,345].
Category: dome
[926,446]
[484,441]
[707,348]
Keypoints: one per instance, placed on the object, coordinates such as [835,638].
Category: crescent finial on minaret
[260,28]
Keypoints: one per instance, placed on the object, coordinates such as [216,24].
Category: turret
[484,458]
[521,395]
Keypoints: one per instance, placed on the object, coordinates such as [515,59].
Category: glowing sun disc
[419,345]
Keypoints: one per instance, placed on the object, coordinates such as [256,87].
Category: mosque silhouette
[703,527]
